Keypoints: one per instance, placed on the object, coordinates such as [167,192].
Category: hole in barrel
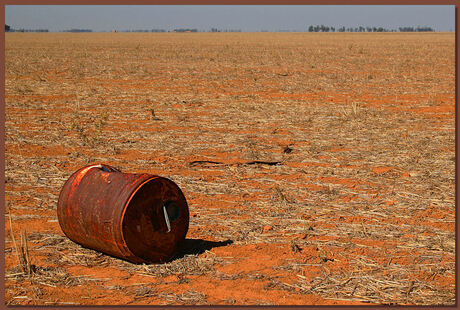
[172,209]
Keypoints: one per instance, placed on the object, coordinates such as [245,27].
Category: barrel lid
[155,220]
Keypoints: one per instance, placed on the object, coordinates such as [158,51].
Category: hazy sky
[243,17]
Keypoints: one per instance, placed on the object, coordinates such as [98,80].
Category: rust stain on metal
[142,218]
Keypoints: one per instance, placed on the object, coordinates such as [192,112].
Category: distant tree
[185,30]
[424,29]
[310,29]
[7,28]
[78,30]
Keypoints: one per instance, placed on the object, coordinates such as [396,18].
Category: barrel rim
[125,207]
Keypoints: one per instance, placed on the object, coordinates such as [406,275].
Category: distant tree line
[185,30]
[78,30]
[27,30]
[317,28]
[225,30]
[323,28]
[180,30]
[418,29]
[9,29]
[143,30]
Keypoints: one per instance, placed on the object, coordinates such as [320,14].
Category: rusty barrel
[141,218]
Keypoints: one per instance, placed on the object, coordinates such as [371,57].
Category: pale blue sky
[243,17]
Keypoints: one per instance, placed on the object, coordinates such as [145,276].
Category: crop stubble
[359,209]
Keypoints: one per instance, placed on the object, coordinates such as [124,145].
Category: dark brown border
[217,2]
[232,2]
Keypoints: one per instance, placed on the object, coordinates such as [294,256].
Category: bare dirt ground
[359,209]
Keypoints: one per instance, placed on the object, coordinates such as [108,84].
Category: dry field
[351,201]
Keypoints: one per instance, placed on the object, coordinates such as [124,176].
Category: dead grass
[188,265]
[361,129]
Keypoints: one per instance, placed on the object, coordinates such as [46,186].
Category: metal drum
[141,218]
